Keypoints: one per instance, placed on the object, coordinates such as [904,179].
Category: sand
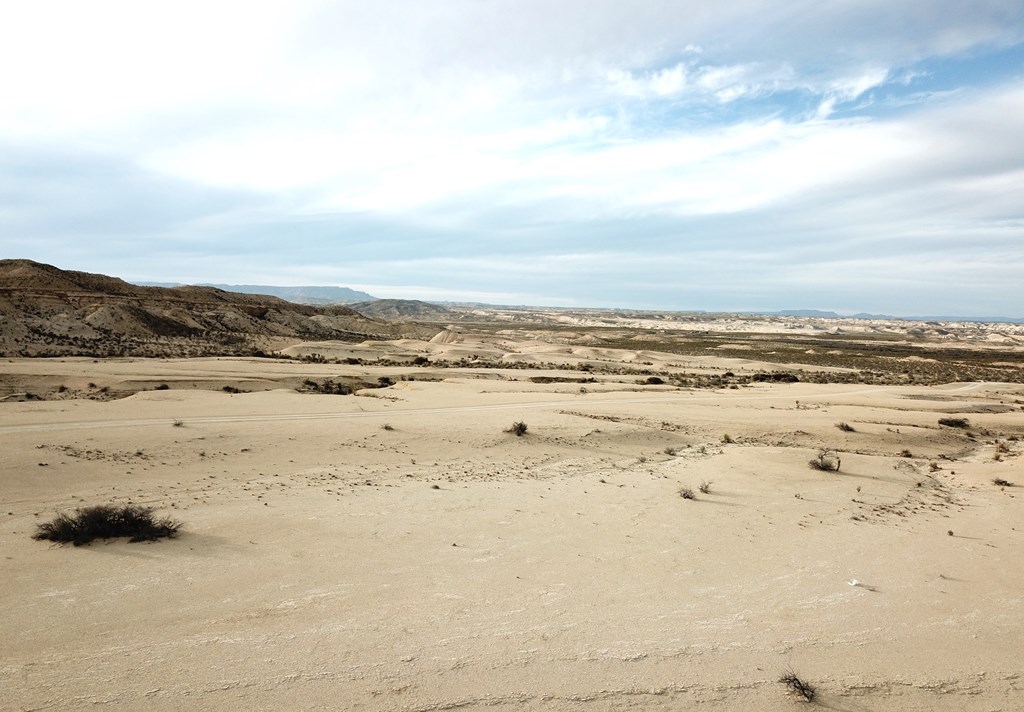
[398,550]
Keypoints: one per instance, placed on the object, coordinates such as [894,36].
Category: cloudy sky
[677,154]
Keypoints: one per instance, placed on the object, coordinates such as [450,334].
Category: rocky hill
[45,310]
[404,310]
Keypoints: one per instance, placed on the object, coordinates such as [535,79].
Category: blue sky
[737,155]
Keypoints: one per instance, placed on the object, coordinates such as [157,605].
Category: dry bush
[825,461]
[687,493]
[727,439]
[954,422]
[518,428]
[106,522]
[845,427]
[1000,482]
[805,689]
[705,487]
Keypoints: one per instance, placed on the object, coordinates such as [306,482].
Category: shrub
[687,493]
[177,422]
[420,361]
[387,426]
[705,487]
[825,462]
[106,522]
[518,428]
[727,439]
[671,451]
[906,453]
[1000,482]
[954,422]
[798,686]
[845,427]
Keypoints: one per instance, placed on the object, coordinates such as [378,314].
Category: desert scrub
[954,422]
[106,522]
[518,428]
[825,461]
[846,427]
[799,687]
[705,487]
[687,493]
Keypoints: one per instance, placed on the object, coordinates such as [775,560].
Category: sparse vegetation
[106,522]
[705,487]
[846,427]
[671,451]
[954,422]
[687,493]
[1000,482]
[906,453]
[518,428]
[799,687]
[727,439]
[825,461]
[387,426]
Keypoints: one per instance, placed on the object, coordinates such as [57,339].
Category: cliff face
[48,311]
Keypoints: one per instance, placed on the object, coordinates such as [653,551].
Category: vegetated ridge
[45,311]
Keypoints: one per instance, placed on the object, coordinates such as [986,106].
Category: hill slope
[45,310]
[404,310]
[318,296]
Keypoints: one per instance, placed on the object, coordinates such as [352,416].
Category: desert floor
[399,550]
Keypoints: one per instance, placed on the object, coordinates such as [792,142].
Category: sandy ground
[398,550]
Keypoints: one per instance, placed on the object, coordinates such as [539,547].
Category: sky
[846,155]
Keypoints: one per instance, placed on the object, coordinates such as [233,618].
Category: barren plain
[361,531]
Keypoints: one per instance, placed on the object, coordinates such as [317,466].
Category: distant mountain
[45,310]
[404,310]
[298,295]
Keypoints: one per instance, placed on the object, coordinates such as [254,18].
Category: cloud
[652,152]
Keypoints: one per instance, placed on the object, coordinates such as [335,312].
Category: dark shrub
[106,522]
[518,428]
[954,422]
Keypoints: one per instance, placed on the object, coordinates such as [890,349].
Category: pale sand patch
[320,568]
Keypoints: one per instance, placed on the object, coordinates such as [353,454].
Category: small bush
[671,451]
[387,426]
[106,522]
[161,387]
[705,487]
[906,453]
[845,427]
[727,439]
[687,493]
[518,429]
[1000,482]
[798,686]
[825,462]
[178,423]
[954,422]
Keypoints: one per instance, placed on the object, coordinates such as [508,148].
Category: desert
[363,528]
